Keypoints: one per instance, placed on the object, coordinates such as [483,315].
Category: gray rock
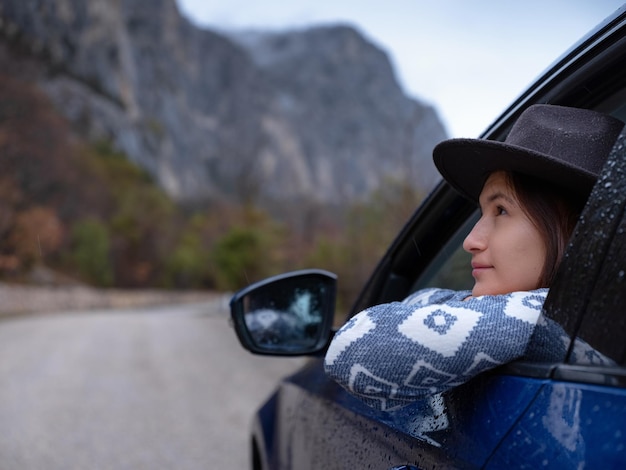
[314,114]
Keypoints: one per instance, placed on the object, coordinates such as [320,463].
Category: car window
[602,327]
[451,268]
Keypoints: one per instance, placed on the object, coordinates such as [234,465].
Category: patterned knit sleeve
[393,354]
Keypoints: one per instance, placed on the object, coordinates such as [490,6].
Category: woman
[530,190]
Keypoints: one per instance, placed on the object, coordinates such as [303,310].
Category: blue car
[568,413]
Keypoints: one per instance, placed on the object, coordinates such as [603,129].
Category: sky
[469,59]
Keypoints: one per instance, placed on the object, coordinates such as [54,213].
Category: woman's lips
[478,268]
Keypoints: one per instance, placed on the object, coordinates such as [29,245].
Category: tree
[248,251]
[37,233]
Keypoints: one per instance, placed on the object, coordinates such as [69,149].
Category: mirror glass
[288,314]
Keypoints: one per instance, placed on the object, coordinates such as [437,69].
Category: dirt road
[158,388]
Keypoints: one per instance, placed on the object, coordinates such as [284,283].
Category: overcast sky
[468,58]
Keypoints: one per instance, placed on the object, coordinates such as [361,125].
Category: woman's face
[507,250]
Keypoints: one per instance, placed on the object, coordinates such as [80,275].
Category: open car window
[585,309]
[450,269]
[588,297]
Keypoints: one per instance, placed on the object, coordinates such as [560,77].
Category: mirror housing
[286,315]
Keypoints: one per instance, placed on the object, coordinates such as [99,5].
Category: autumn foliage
[84,210]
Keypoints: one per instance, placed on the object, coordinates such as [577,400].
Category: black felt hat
[562,145]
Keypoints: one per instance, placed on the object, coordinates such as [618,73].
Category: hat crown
[580,138]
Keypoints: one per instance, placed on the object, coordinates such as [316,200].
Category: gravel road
[152,388]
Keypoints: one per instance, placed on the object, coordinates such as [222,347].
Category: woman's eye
[500,210]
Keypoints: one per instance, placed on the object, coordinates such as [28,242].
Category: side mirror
[286,315]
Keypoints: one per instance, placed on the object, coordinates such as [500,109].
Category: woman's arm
[392,354]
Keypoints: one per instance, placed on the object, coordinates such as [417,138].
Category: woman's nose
[476,240]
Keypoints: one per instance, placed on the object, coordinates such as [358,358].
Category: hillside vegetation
[85,211]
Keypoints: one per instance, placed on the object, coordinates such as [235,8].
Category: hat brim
[467,163]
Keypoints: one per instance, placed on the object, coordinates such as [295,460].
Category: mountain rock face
[314,114]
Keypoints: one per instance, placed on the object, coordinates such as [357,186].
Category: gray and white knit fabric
[393,354]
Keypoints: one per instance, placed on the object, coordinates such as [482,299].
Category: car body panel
[568,425]
[461,428]
[320,425]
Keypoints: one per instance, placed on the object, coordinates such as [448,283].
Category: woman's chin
[481,289]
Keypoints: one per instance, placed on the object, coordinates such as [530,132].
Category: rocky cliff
[315,113]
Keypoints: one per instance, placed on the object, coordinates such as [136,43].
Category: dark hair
[554,212]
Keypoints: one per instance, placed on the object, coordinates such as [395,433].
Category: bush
[188,265]
[90,252]
[242,256]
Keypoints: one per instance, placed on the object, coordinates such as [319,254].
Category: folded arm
[392,354]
